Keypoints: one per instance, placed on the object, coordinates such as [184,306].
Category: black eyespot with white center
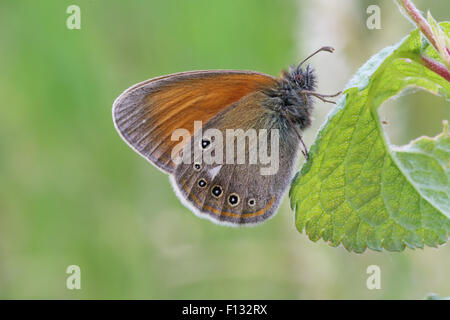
[251,202]
[205,143]
[202,183]
[216,191]
[197,166]
[233,199]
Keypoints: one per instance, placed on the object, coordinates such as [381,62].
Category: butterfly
[246,103]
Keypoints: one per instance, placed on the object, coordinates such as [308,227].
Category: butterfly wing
[259,195]
[148,113]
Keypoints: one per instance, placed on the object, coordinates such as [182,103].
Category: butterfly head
[301,79]
[293,85]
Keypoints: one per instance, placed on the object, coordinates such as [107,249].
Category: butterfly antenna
[328,49]
[305,150]
[322,96]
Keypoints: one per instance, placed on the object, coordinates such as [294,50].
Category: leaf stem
[419,20]
[433,37]
[437,67]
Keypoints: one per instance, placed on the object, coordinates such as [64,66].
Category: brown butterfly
[228,192]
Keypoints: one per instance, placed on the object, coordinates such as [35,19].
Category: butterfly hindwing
[259,195]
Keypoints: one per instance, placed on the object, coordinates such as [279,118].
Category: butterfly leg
[304,98]
[305,149]
[321,96]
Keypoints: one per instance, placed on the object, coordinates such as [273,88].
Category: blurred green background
[72,192]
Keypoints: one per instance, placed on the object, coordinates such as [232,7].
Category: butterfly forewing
[148,113]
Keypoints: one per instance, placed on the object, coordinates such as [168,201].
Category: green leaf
[442,40]
[357,189]
[425,162]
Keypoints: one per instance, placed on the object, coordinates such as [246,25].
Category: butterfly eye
[251,202]
[233,199]
[202,183]
[205,143]
[299,78]
[216,191]
[197,166]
